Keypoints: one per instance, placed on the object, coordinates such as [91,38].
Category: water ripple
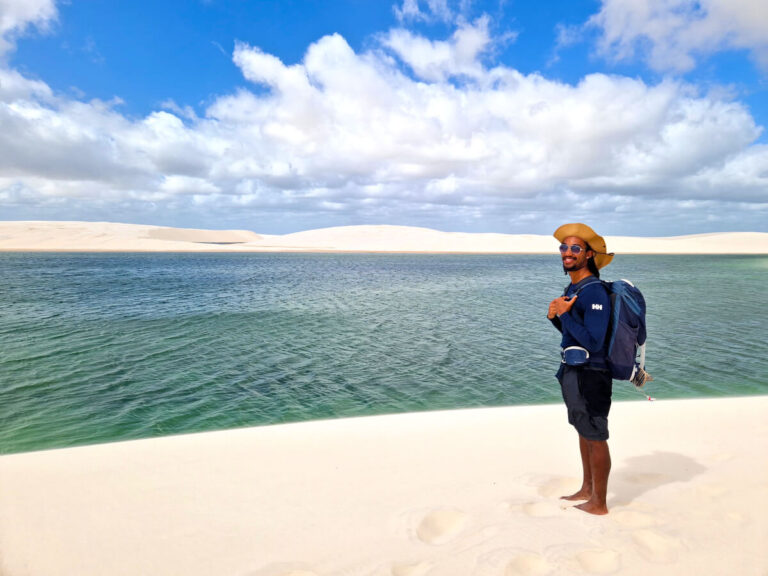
[108,347]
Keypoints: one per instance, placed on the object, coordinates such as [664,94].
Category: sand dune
[108,236]
[100,236]
[461,493]
[204,236]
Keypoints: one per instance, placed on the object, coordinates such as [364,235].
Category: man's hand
[552,312]
[560,306]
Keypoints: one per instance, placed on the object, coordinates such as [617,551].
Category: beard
[575,266]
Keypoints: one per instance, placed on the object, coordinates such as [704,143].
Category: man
[582,315]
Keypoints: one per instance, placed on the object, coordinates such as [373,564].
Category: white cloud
[186,112]
[15,87]
[438,60]
[346,137]
[424,10]
[17,16]
[672,34]
[408,10]
[188,185]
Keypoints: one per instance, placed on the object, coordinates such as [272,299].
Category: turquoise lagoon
[108,347]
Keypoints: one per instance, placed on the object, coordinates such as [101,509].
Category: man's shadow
[642,474]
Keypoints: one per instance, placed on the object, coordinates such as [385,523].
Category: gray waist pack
[575,356]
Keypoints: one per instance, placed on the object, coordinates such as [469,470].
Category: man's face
[571,261]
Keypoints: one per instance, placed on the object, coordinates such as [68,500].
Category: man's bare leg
[600,465]
[585,492]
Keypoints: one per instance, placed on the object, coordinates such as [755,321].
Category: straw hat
[596,242]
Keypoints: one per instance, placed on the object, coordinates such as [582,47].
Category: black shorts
[587,395]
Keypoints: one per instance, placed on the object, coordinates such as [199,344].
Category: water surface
[105,347]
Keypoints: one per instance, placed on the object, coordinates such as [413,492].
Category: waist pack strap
[574,356]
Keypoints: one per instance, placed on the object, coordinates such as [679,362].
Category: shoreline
[393,415]
[445,493]
[362,252]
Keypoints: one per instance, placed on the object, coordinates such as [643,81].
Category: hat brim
[602,257]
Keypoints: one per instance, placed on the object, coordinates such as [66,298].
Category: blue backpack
[626,332]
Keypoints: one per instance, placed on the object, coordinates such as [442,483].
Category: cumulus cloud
[424,10]
[385,135]
[672,34]
[508,134]
[439,60]
[17,16]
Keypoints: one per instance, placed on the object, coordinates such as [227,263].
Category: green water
[100,348]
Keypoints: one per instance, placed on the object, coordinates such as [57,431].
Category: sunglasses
[575,249]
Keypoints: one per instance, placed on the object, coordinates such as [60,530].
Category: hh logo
[597,306]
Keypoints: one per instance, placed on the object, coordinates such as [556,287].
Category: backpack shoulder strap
[595,281]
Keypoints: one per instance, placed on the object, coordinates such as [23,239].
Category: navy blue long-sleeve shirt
[586,324]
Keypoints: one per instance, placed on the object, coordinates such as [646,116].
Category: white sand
[100,236]
[108,236]
[446,493]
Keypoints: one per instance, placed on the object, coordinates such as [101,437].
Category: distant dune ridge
[112,237]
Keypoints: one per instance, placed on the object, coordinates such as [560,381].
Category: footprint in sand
[528,565]
[441,526]
[720,458]
[282,570]
[599,561]
[557,487]
[657,547]
[712,490]
[736,519]
[633,519]
[411,569]
[541,509]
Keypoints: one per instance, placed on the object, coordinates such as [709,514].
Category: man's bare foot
[591,508]
[580,495]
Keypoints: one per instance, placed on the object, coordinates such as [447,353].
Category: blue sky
[638,116]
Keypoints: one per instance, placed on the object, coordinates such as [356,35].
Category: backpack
[626,332]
